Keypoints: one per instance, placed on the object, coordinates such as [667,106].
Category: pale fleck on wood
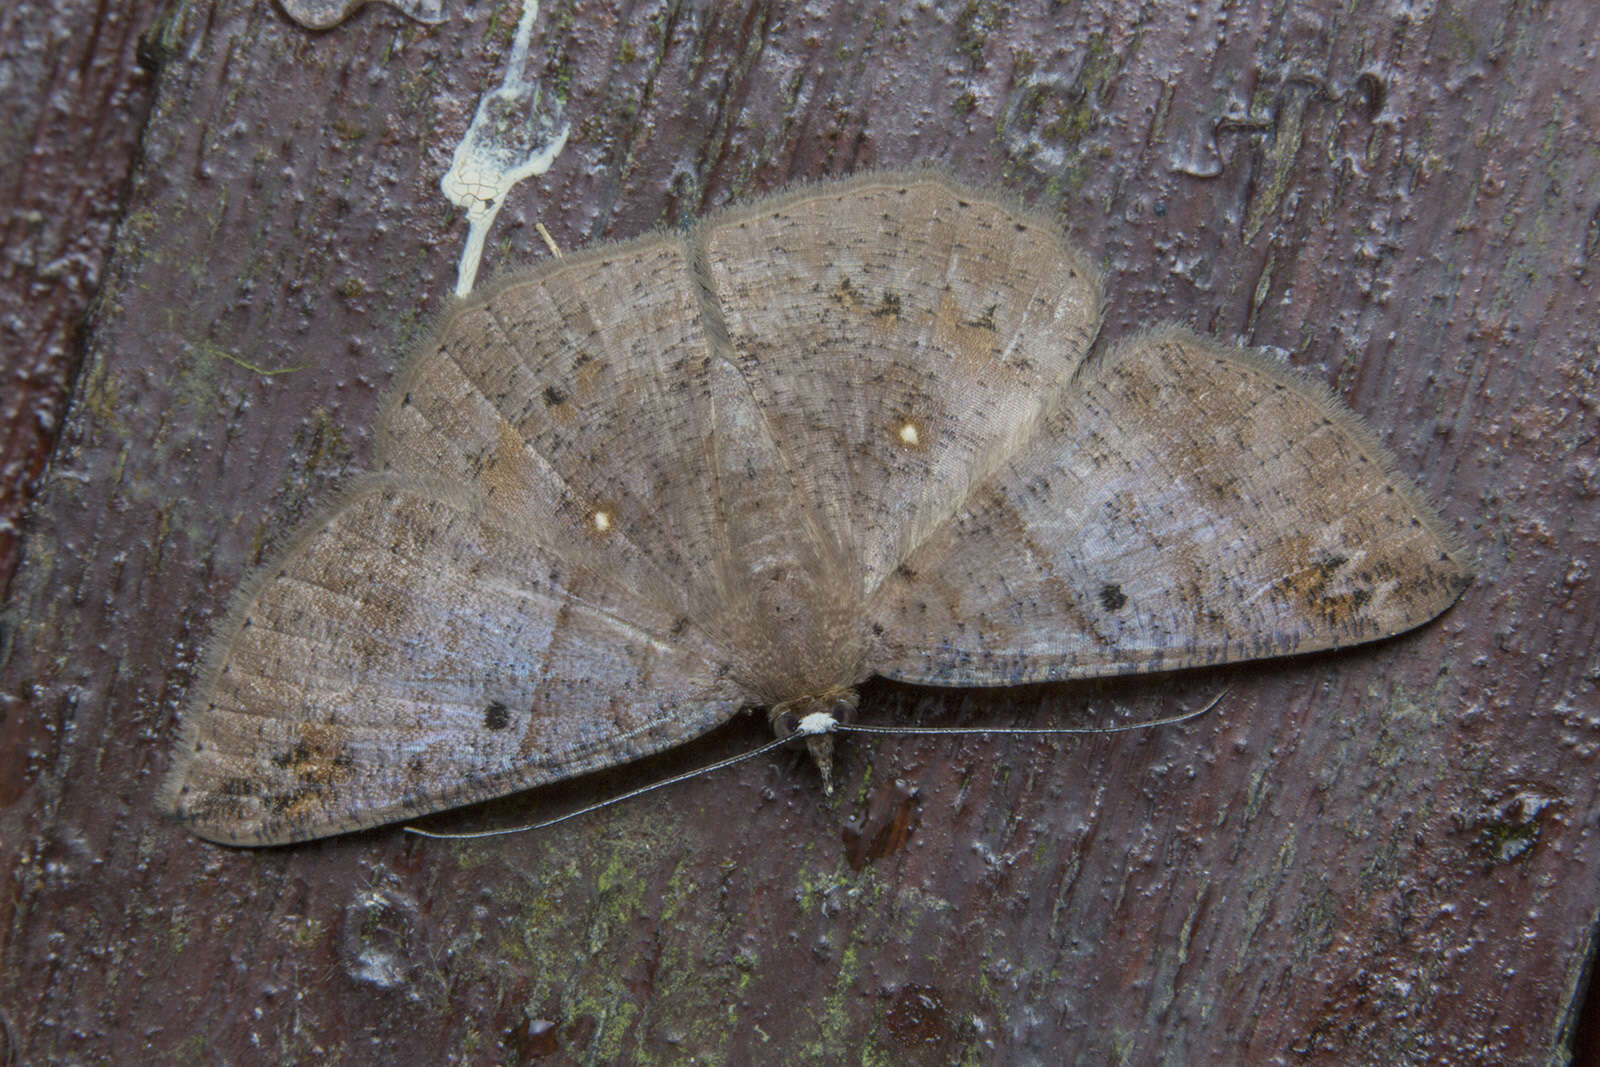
[843,432]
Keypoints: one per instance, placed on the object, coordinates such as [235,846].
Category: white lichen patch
[511,138]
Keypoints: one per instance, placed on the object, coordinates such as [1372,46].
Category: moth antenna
[469,835]
[814,724]
[852,728]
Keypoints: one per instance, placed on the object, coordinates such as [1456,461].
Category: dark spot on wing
[845,294]
[1112,597]
[984,321]
[495,716]
[416,771]
[298,754]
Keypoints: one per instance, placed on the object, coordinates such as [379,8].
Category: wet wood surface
[1379,855]
[78,91]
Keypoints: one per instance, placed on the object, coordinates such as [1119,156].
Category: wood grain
[1379,855]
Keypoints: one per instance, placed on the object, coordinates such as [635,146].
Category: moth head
[814,718]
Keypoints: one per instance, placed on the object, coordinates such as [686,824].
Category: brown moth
[844,432]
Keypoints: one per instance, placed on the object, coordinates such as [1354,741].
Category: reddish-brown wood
[76,98]
[1383,855]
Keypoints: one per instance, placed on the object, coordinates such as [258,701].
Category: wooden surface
[1378,856]
[77,93]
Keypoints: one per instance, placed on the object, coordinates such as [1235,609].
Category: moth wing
[407,656]
[583,390]
[587,403]
[1187,505]
[900,336]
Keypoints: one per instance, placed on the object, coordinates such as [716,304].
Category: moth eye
[788,723]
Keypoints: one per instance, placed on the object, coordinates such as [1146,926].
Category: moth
[852,430]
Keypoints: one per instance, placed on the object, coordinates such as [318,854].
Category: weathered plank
[1376,856]
[76,100]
